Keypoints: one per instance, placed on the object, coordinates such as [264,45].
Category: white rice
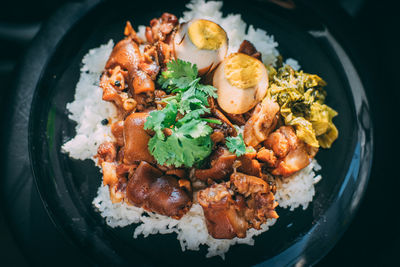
[88,110]
[191,229]
[298,189]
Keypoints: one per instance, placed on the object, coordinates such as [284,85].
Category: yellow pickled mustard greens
[243,71]
[206,34]
[301,99]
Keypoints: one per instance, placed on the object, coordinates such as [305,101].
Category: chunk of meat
[217,137]
[115,184]
[124,170]
[106,152]
[150,61]
[127,68]
[144,101]
[136,139]
[180,173]
[185,183]
[236,118]
[247,184]
[126,54]
[117,129]
[160,28]
[109,173]
[112,82]
[220,210]
[155,192]
[232,207]
[218,114]
[142,83]
[267,156]
[261,123]
[165,53]
[294,161]
[292,153]
[260,201]
[282,141]
[131,33]
[223,128]
[221,166]
[121,68]
[249,165]
[246,47]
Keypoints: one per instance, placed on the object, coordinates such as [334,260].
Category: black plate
[68,186]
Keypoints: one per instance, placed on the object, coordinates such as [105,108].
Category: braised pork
[149,188]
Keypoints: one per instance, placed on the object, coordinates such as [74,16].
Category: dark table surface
[373,238]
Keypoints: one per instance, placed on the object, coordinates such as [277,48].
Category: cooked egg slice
[242,81]
[201,42]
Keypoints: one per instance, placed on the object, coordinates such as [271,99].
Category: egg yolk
[242,71]
[206,34]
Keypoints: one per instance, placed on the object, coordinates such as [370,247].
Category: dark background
[373,238]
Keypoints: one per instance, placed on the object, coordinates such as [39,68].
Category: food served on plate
[199,128]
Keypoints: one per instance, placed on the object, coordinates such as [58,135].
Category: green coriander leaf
[190,141]
[180,150]
[208,89]
[236,145]
[179,74]
[158,120]
[195,129]
[193,115]
[179,68]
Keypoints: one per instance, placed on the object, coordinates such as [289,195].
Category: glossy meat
[261,123]
[248,48]
[220,210]
[131,33]
[160,28]
[128,68]
[249,165]
[142,83]
[218,114]
[117,129]
[232,207]
[150,189]
[136,139]
[267,156]
[237,119]
[115,184]
[247,184]
[125,54]
[160,35]
[106,151]
[294,161]
[149,63]
[260,201]
[282,141]
[292,153]
[221,166]
[113,82]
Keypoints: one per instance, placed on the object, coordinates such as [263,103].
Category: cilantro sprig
[189,139]
[236,145]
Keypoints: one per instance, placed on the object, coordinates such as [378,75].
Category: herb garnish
[188,141]
[236,145]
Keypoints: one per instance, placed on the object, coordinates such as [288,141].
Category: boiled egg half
[242,82]
[201,42]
